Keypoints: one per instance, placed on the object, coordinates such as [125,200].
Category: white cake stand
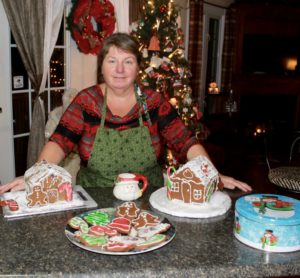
[219,204]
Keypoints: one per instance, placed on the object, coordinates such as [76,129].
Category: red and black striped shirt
[80,122]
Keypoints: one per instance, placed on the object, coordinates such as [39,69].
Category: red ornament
[89,38]
[163,8]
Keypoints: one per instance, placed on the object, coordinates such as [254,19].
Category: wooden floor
[243,157]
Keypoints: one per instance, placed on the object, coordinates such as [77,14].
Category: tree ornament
[165,64]
[82,18]
[163,8]
[154,44]
[169,46]
[145,53]
[155,61]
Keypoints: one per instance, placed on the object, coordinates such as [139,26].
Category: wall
[266,20]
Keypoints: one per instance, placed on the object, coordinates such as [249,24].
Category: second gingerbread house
[194,182]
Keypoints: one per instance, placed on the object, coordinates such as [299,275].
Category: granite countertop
[37,246]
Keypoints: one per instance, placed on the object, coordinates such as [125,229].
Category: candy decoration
[67,187]
[12,205]
[3,203]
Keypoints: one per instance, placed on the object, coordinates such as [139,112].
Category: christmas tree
[164,67]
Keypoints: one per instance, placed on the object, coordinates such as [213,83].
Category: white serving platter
[71,235]
[219,204]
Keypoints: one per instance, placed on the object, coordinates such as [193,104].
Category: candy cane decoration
[68,188]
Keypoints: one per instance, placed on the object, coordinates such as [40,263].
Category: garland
[90,22]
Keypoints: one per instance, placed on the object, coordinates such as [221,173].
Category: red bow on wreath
[90,22]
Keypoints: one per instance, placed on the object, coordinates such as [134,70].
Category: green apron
[115,152]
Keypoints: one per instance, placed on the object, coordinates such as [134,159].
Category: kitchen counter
[37,246]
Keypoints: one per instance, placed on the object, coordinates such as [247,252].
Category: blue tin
[268,222]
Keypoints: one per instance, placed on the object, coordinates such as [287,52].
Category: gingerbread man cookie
[37,197]
[128,210]
[145,219]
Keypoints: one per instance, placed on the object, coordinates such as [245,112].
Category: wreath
[90,22]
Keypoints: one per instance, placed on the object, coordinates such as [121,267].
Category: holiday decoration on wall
[164,67]
[90,22]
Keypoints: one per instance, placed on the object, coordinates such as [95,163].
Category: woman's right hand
[15,185]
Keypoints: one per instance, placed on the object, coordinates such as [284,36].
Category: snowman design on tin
[272,206]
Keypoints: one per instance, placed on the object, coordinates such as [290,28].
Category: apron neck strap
[136,90]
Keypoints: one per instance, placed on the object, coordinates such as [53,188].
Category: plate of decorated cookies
[124,230]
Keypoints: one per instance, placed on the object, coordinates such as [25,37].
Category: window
[23,95]
[213,37]
[197,194]
[175,187]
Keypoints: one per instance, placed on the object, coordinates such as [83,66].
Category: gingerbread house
[194,182]
[47,183]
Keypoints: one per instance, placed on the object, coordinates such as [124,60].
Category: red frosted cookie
[100,230]
[145,219]
[120,224]
[12,204]
[128,210]
[118,247]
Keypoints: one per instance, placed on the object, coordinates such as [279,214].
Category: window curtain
[195,46]
[228,49]
[35,26]
[122,14]
[135,8]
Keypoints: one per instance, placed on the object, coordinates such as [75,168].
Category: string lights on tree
[164,66]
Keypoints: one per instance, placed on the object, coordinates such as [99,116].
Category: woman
[120,128]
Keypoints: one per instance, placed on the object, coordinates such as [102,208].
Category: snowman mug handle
[144,181]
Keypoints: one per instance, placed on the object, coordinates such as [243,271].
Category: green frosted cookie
[152,241]
[97,218]
[75,222]
[92,240]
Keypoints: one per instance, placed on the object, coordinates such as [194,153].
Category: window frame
[49,90]
[217,13]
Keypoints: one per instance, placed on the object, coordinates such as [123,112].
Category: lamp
[213,88]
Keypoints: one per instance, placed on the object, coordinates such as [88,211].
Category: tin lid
[269,208]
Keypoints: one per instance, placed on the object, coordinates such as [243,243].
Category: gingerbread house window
[175,187]
[197,194]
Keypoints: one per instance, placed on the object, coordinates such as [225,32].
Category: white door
[7,168]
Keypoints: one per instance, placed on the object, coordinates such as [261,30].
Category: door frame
[7,166]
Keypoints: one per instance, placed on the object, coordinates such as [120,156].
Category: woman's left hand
[232,183]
